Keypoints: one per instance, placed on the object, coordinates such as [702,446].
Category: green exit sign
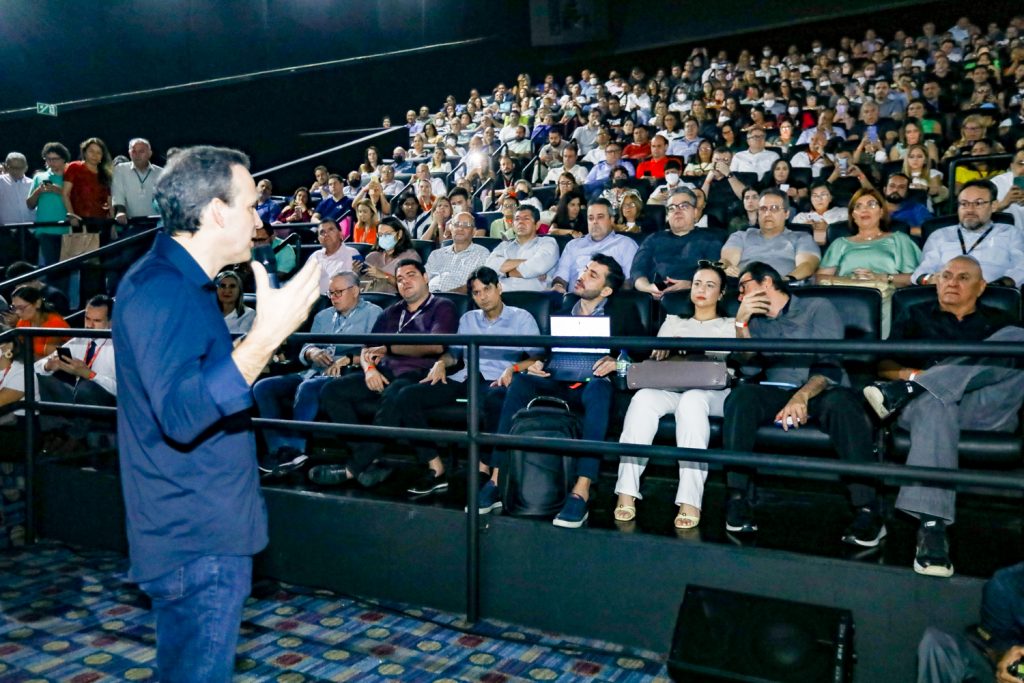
[46,109]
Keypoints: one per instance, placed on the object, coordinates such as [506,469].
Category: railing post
[28,358]
[23,243]
[472,492]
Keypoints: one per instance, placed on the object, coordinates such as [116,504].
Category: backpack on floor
[536,484]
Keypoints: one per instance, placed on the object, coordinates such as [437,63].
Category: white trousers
[692,409]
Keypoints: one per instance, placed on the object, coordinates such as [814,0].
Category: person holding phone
[1010,189]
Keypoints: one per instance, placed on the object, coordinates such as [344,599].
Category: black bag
[536,484]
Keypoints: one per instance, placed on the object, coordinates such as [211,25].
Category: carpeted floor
[72,617]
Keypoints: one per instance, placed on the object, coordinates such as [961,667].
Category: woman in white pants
[691,408]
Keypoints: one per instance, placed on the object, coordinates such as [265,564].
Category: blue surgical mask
[387,242]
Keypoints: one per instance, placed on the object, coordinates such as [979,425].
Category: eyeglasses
[682,206]
[820,195]
[332,293]
[866,205]
[20,308]
[463,226]
[976,204]
[769,209]
[742,284]
[704,263]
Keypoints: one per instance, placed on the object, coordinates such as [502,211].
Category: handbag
[700,372]
[76,243]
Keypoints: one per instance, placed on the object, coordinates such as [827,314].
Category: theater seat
[977,448]
[382,299]
[423,248]
[537,304]
[462,301]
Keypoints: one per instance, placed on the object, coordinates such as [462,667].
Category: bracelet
[741,326]
[515,368]
[369,367]
[92,375]
[890,278]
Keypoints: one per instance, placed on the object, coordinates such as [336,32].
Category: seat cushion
[981,450]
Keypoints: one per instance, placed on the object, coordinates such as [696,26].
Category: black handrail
[473,438]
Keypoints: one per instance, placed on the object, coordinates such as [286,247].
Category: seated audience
[780,178]
[691,408]
[792,253]
[448,268]
[631,217]
[526,262]
[998,247]
[12,389]
[1010,189]
[667,259]
[600,239]
[334,203]
[347,314]
[822,213]
[754,159]
[433,224]
[936,398]
[814,157]
[237,316]
[298,209]
[571,215]
[700,164]
[335,256]
[595,288]
[392,247]
[501,227]
[747,218]
[387,370]
[673,182]
[33,310]
[408,212]
[795,390]
[267,208]
[284,256]
[901,206]
[655,166]
[569,165]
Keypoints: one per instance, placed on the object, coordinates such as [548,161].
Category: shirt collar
[167,248]
[599,311]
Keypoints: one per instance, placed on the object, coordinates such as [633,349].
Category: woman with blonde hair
[365,228]
[918,165]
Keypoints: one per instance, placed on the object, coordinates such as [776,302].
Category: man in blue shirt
[267,208]
[348,314]
[600,238]
[194,511]
[913,213]
[335,203]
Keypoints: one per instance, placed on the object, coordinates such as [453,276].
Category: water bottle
[622,363]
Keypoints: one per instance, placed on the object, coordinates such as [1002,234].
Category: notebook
[573,364]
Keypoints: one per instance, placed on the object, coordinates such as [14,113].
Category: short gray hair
[684,191]
[135,141]
[16,156]
[350,278]
[194,177]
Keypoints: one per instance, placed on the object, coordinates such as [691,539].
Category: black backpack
[536,484]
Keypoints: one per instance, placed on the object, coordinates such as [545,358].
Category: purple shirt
[434,316]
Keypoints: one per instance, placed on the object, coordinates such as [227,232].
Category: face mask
[619,182]
[399,158]
[522,196]
[723,118]
[671,178]
[769,103]
[861,80]
[793,111]
[387,242]
[766,53]
[593,81]
[824,84]
[842,59]
[355,183]
[840,109]
[438,122]
[816,50]
[680,97]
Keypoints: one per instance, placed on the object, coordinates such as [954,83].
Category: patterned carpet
[71,617]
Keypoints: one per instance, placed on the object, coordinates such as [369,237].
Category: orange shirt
[367,235]
[39,343]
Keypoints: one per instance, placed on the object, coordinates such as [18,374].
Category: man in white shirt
[448,268]
[754,159]
[814,157]
[525,263]
[14,191]
[570,155]
[388,184]
[1010,190]
[82,371]
[335,257]
[134,182]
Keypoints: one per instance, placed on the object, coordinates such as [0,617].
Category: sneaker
[932,557]
[429,483]
[887,398]
[867,528]
[739,515]
[489,498]
[574,513]
[329,475]
[289,459]
[374,475]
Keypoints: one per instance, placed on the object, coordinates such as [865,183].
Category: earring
[8,354]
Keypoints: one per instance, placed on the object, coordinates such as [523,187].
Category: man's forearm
[814,386]
[804,270]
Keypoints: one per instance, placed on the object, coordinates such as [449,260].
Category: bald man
[937,397]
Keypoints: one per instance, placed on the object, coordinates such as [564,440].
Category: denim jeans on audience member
[273,393]
[198,609]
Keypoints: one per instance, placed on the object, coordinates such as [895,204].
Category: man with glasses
[570,165]
[388,184]
[998,247]
[47,199]
[793,390]
[754,159]
[348,314]
[525,263]
[667,259]
[448,267]
[937,397]
[612,159]
[335,256]
[793,254]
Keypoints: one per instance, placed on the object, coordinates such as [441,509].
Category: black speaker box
[725,636]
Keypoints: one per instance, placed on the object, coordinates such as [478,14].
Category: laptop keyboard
[572,366]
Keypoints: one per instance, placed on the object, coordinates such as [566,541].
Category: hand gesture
[335,368]
[1003,674]
[755,303]
[371,355]
[675,285]
[375,381]
[505,379]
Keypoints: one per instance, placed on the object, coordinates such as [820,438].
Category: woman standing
[87,183]
[393,246]
[237,315]
[33,310]
[691,408]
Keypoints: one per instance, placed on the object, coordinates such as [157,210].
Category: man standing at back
[195,516]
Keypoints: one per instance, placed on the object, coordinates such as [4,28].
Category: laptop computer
[573,364]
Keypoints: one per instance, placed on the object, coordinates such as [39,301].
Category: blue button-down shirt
[512,322]
[187,450]
[360,319]
[578,252]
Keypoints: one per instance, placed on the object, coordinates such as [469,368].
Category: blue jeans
[198,609]
[273,393]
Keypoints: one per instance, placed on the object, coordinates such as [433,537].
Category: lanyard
[963,247]
[402,324]
[142,179]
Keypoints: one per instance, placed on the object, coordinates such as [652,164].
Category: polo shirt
[434,316]
[779,252]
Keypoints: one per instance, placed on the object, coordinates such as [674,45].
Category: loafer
[329,475]
[374,475]
[574,513]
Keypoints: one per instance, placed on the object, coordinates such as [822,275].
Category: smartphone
[47,183]
[64,354]
[1018,181]
[844,165]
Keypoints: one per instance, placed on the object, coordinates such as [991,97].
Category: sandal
[625,513]
[685,521]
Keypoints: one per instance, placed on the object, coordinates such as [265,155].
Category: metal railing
[473,439]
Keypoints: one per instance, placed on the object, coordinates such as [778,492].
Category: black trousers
[838,411]
[84,392]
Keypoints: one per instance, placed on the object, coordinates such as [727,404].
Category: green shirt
[894,253]
[50,208]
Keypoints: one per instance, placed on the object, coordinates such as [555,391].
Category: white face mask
[671,178]
[816,49]
[593,81]
[793,111]
[766,53]
[840,109]
[723,118]
[769,103]
[680,97]
[824,84]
